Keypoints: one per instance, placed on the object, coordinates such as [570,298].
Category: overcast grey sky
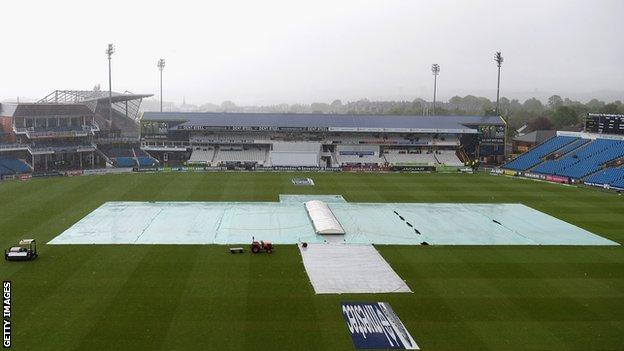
[260,52]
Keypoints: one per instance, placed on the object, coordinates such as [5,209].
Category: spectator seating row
[585,160]
[608,176]
[534,156]
[9,165]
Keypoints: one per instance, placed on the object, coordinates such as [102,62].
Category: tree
[540,123]
[554,102]
[595,104]
[611,109]
[533,105]
[228,106]
[564,116]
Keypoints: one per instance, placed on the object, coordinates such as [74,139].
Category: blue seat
[535,155]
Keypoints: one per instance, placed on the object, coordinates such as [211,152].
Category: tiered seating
[246,154]
[147,161]
[9,165]
[295,154]
[359,154]
[404,157]
[606,176]
[144,159]
[585,160]
[201,155]
[535,155]
[448,157]
[619,183]
[359,159]
[571,146]
[125,161]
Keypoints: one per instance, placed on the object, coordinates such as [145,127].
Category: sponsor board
[412,168]
[533,176]
[303,181]
[145,169]
[45,174]
[374,325]
[557,179]
[301,168]
[101,171]
[509,172]
[74,173]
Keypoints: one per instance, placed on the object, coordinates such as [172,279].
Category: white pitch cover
[349,268]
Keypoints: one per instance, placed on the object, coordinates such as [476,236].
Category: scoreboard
[605,124]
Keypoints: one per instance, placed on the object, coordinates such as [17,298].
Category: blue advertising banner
[374,325]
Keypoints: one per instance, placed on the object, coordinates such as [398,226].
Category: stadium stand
[240,154]
[295,154]
[359,154]
[9,165]
[124,161]
[202,155]
[398,157]
[448,157]
[571,146]
[535,155]
[143,158]
[585,160]
[608,176]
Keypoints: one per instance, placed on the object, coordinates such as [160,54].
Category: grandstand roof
[330,122]
[81,96]
[38,109]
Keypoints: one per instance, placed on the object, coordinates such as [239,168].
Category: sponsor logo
[558,179]
[374,325]
[6,314]
[533,175]
[74,173]
[25,176]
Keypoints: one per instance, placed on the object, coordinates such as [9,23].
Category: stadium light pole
[109,52]
[498,58]
[435,69]
[161,66]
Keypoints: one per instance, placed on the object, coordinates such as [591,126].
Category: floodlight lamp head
[110,50]
[498,58]
[161,64]
[435,68]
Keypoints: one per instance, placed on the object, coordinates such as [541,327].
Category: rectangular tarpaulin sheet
[375,325]
[349,268]
[287,222]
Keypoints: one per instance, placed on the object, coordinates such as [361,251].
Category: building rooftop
[331,122]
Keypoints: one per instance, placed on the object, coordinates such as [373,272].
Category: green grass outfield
[203,298]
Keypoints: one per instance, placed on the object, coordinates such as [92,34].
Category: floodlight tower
[435,69]
[498,58]
[161,66]
[109,52]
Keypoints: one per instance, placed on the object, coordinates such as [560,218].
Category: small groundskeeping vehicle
[26,251]
[259,246]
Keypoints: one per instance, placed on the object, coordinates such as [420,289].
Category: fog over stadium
[272,52]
